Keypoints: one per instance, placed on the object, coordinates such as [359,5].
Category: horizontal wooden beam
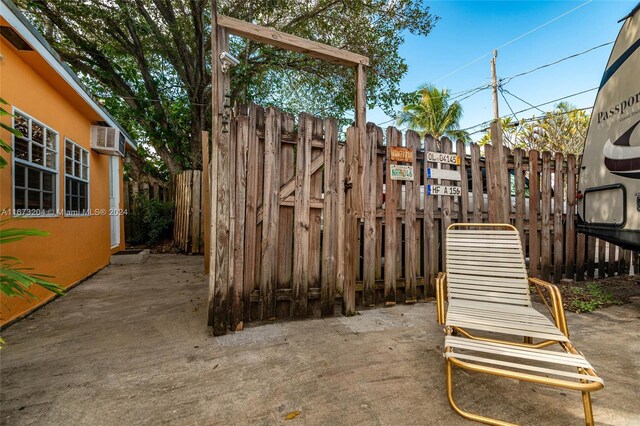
[291,42]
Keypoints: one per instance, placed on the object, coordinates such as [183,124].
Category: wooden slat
[534,208]
[341,216]
[196,216]
[570,235]
[351,223]
[493,195]
[237,286]
[330,234]
[206,200]
[291,42]
[369,193]
[447,202]
[612,265]
[545,241]
[251,235]
[271,210]
[391,232]
[591,256]
[301,218]
[380,172]
[581,250]
[315,215]
[463,200]
[285,220]
[412,197]
[519,177]
[558,229]
[602,253]
[430,234]
[476,182]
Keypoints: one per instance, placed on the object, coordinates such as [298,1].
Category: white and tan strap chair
[490,324]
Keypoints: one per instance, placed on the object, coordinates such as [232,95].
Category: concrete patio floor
[131,346]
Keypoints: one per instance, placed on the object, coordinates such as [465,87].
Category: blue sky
[469,29]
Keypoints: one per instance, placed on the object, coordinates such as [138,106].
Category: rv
[609,185]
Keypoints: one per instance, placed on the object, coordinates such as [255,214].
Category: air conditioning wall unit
[107,140]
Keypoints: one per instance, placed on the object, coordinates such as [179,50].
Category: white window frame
[28,163]
[67,211]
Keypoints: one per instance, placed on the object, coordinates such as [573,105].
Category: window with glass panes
[35,168]
[76,182]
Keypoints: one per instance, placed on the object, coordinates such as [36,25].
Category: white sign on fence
[438,157]
[400,172]
[443,190]
[443,174]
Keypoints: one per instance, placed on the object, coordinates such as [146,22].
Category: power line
[522,100]
[535,106]
[509,105]
[508,79]
[513,41]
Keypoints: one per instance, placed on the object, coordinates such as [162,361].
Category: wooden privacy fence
[188,232]
[313,221]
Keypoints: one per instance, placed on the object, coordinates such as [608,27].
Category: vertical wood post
[330,236]
[271,210]
[301,261]
[430,230]
[220,205]
[499,168]
[369,193]
[558,230]
[391,224]
[570,236]
[545,240]
[534,208]
[412,189]
[206,200]
[519,176]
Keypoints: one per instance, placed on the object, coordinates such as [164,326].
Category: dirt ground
[585,296]
[131,346]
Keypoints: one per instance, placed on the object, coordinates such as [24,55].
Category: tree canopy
[431,113]
[564,129]
[150,59]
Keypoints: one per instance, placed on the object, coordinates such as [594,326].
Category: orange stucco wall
[76,246]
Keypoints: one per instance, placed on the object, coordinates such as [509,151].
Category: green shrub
[150,221]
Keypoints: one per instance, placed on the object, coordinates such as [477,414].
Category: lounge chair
[490,324]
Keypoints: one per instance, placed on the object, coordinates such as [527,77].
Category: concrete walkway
[130,346]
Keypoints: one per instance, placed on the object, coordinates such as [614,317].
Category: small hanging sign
[398,153]
[443,190]
[400,172]
[438,157]
[443,174]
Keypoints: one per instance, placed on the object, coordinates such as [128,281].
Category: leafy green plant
[151,220]
[3,145]
[592,297]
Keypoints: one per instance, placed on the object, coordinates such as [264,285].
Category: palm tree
[431,113]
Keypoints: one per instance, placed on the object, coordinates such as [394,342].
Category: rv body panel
[609,184]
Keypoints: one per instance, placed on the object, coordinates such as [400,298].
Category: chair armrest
[557,308]
[441,296]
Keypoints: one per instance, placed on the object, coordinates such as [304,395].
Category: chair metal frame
[589,380]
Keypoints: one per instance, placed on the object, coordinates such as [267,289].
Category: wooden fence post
[270,209]
[390,228]
[206,200]
[558,230]
[369,151]
[330,236]
[412,191]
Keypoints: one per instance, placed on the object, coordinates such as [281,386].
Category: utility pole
[500,187]
[494,80]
